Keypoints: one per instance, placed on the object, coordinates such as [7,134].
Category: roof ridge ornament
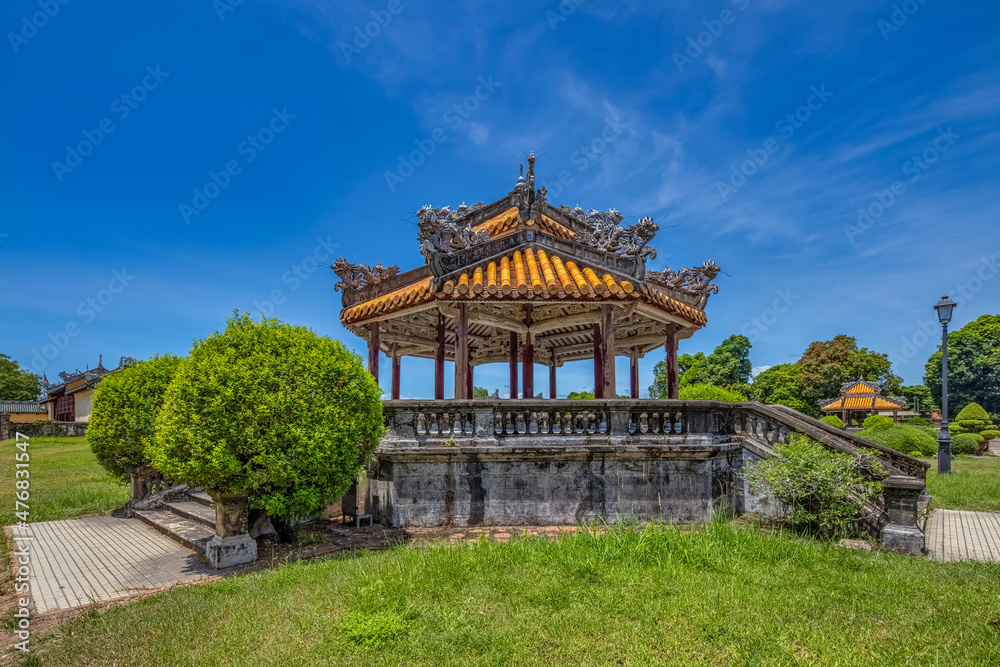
[606,234]
[440,230]
[356,276]
[696,281]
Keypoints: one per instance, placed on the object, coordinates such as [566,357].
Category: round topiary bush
[272,411]
[902,438]
[710,392]
[918,421]
[974,419]
[123,416]
[876,421]
[833,420]
[965,443]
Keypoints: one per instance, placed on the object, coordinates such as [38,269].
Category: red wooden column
[608,348]
[671,346]
[468,388]
[552,376]
[598,363]
[528,358]
[513,364]
[634,373]
[394,391]
[439,361]
[373,350]
[462,376]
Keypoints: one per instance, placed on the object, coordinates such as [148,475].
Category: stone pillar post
[902,534]
[232,544]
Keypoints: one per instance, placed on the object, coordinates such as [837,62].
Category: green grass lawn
[723,595]
[66,481]
[974,484]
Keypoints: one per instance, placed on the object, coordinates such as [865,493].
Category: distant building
[23,412]
[862,396]
[72,399]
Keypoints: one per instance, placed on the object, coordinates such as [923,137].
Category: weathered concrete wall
[43,429]
[471,486]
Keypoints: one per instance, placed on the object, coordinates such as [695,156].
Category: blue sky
[754,131]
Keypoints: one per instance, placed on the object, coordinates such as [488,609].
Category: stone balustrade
[579,447]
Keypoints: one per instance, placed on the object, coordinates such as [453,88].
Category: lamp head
[944,308]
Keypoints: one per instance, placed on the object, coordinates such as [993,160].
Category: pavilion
[861,396]
[523,280]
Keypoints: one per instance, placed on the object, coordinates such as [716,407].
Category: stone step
[193,535]
[201,497]
[194,511]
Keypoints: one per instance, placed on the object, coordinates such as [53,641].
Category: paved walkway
[79,561]
[954,535]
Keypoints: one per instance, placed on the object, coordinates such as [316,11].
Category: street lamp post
[944,308]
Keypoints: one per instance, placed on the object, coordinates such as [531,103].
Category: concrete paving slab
[80,561]
[955,535]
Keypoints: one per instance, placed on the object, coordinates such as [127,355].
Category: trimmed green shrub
[833,420]
[876,421]
[974,419]
[710,392]
[918,421]
[271,410]
[824,490]
[965,443]
[903,438]
[123,417]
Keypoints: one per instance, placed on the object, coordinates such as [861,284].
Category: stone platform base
[474,486]
[228,551]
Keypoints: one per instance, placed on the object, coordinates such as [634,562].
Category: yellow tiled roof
[507,222]
[527,274]
[860,403]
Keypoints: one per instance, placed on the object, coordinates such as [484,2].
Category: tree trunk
[285,530]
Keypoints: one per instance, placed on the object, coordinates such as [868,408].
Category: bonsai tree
[273,412]
[123,417]
[974,419]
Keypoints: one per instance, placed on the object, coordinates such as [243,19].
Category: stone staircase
[189,521]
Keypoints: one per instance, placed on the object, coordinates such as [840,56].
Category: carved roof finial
[531,170]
